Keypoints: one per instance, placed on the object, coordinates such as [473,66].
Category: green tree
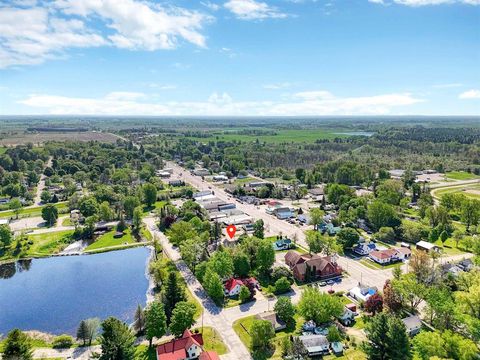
[139,320]
[385,234]
[117,341]
[45,196]
[6,236]
[213,285]
[316,218]
[129,204]
[381,214]
[183,317]
[222,263]
[16,206]
[155,321]
[347,237]
[262,333]
[285,310]
[319,307]
[82,332]
[17,346]
[398,340]
[137,219]
[172,293]
[265,256]
[314,241]
[105,213]
[244,294]
[334,334]
[88,206]
[470,212]
[149,194]
[50,214]
[282,286]
[241,265]
[258,229]
[428,344]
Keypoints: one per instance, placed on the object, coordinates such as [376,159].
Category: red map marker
[231,230]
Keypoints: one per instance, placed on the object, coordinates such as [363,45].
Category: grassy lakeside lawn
[39,245]
[242,326]
[33,211]
[461,175]
[108,240]
[282,136]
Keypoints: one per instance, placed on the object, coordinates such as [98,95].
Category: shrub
[63,341]
[282,285]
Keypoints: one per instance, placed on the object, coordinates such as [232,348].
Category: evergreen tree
[377,333]
[17,346]
[139,324]
[117,341]
[173,294]
[399,343]
[82,332]
[183,317]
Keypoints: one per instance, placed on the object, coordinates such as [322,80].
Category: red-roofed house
[188,347]
[232,287]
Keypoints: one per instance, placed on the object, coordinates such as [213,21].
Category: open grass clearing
[461,175]
[108,240]
[32,211]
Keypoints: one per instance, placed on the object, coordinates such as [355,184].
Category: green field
[108,240]
[282,136]
[32,211]
[461,175]
[2,150]
[469,191]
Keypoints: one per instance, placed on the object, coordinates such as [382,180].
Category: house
[449,268]
[283,213]
[282,244]
[188,347]
[364,248]
[256,184]
[4,201]
[329,228]
[201,172]
[316,193]
[388,256]
[220,178]
[232,287]
[176,183]
[202,194]
[362,292]
[348,316]
[307,267]
[426,246]
[315,344]
[163,174]
[413,324]
[270,316]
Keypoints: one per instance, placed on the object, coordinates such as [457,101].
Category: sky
[240,57]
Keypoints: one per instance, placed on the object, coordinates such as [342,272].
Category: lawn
[373,265]
[350,354]
[472,191]
[212,340]
[67,222]
[157,205]
[461,175]
[143,352]
[108,240]
[33,211]
[242,326]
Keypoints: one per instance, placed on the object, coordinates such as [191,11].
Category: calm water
[55,294]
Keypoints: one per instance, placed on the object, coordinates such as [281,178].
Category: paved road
[41,185]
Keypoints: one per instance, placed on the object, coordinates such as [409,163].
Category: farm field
[461,175]
[42,137]
[282,136]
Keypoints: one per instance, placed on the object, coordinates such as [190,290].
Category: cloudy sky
[240,57]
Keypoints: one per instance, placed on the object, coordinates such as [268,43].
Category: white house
[232,287]
[364,248]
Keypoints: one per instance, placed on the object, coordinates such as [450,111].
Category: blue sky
[240,57]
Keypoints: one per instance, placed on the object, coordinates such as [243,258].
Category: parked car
[323,283]
[330,282]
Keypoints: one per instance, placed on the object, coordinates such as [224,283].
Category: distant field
[304,135]
[2,150]
[472,191]
[461,175]
[42,137]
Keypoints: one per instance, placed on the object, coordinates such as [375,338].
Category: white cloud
[32,32]
[417,3]
[210,5]
[277,86]
[470,94]
[30,36]
[304,103]
[253,10]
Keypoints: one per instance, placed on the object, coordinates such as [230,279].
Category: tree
[6,236]
[129,204]
[381,214]
[17,346]
[420,265]
[390,191]
[319,307]
[262,333]
[388,339]
[137,219]
[347,237]
[470,212]
[173,293]
[183,317]
[314,241]
[282,271]
[82,332]
[16,206]
[45,196]
[117,341]
[374,304]
[428,344]
[88,206]
[285,310]
[87,330]
[105,213]
[149,194]
[222,263]
[50,214]
[391,299]
[265,256]
[258,229]
[410,291]
[334,334]
[139,320]
[155,321]
[316,217]
[213,285]
[241,265]
[385,234]
[244,294]
[282,286]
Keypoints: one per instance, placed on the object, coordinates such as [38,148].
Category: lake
[55,294]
